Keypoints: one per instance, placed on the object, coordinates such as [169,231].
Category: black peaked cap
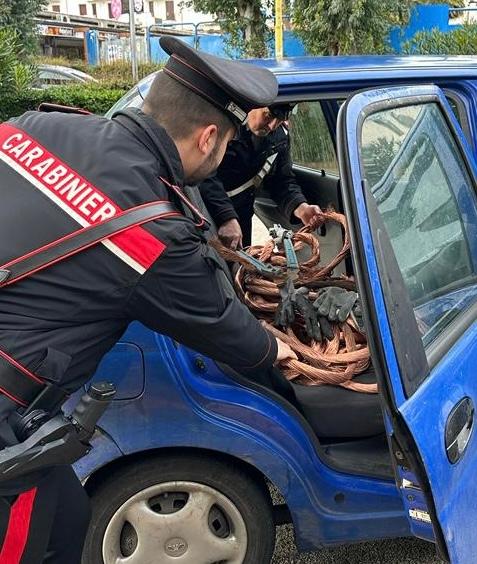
[282,110]
[234,87]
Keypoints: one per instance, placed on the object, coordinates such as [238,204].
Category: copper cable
[334,362]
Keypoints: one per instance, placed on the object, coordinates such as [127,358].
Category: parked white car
[56,75]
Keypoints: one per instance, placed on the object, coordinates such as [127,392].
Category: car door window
[53,77]
[426,199]
[311,143]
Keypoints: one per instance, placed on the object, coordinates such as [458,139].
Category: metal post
[132,41]
[147,35]
[196,36]
[278,29]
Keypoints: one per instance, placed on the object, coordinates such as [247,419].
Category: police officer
[260,155]
[60,172]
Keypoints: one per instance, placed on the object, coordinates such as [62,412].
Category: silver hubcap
[176,522]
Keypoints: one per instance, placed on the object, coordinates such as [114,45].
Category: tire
[180,508]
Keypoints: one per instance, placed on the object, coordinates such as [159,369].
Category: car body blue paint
[126,367]
[185,404]
[344,72]
[104,450]
[454,486]
[427,411]
[348,65]
[187,407]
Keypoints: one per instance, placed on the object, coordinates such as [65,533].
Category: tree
[15,76]
[335,27]
[244,21]
[18,15]
[460,41]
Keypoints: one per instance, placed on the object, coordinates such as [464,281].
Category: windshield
[134,98]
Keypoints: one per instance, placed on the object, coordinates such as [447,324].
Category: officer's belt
[257,180]
[17,382]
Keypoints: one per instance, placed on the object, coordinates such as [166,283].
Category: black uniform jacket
[62,171]
[243,159]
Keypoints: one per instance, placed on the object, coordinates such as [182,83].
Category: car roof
[67,70]
[347,63]
[350,72]
[351,68]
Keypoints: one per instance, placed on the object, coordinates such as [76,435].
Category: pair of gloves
[333,305]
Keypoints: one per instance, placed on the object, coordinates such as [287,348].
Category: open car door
[409,188]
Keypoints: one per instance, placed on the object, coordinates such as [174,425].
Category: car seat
[333,412]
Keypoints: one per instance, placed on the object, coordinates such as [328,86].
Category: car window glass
[130,100]
[79,74]
[53,77]
[426,199]
[311,143]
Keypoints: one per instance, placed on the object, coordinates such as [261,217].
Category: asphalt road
[397,551]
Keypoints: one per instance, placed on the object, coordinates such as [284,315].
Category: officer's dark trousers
[46,523]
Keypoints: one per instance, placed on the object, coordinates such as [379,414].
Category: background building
[86,29]
[154,11]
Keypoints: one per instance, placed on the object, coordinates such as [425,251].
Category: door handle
[459,426]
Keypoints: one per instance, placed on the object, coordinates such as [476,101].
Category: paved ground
[259,231]
[400,551]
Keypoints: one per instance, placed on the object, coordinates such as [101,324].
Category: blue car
[190,454]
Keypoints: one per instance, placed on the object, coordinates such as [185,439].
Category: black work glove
[326,329]
[357,316]
[335,303]
[310,317]
[285,314]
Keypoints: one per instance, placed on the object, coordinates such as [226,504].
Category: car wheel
[187,509]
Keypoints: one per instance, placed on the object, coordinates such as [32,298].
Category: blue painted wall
[292,45]
[157,54]
[423,18]
[215,45]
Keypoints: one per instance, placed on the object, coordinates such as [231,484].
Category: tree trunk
[245,12]
[249,12]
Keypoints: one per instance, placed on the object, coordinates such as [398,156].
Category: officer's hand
[309,215]
[285,352]
[335,303]
[230,234]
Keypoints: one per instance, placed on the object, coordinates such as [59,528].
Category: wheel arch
[281,512]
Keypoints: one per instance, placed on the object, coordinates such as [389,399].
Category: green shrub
[311,143]
[95,98]
[118,74]
[462,41]
[15,75]
[61,61]
[114,80]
